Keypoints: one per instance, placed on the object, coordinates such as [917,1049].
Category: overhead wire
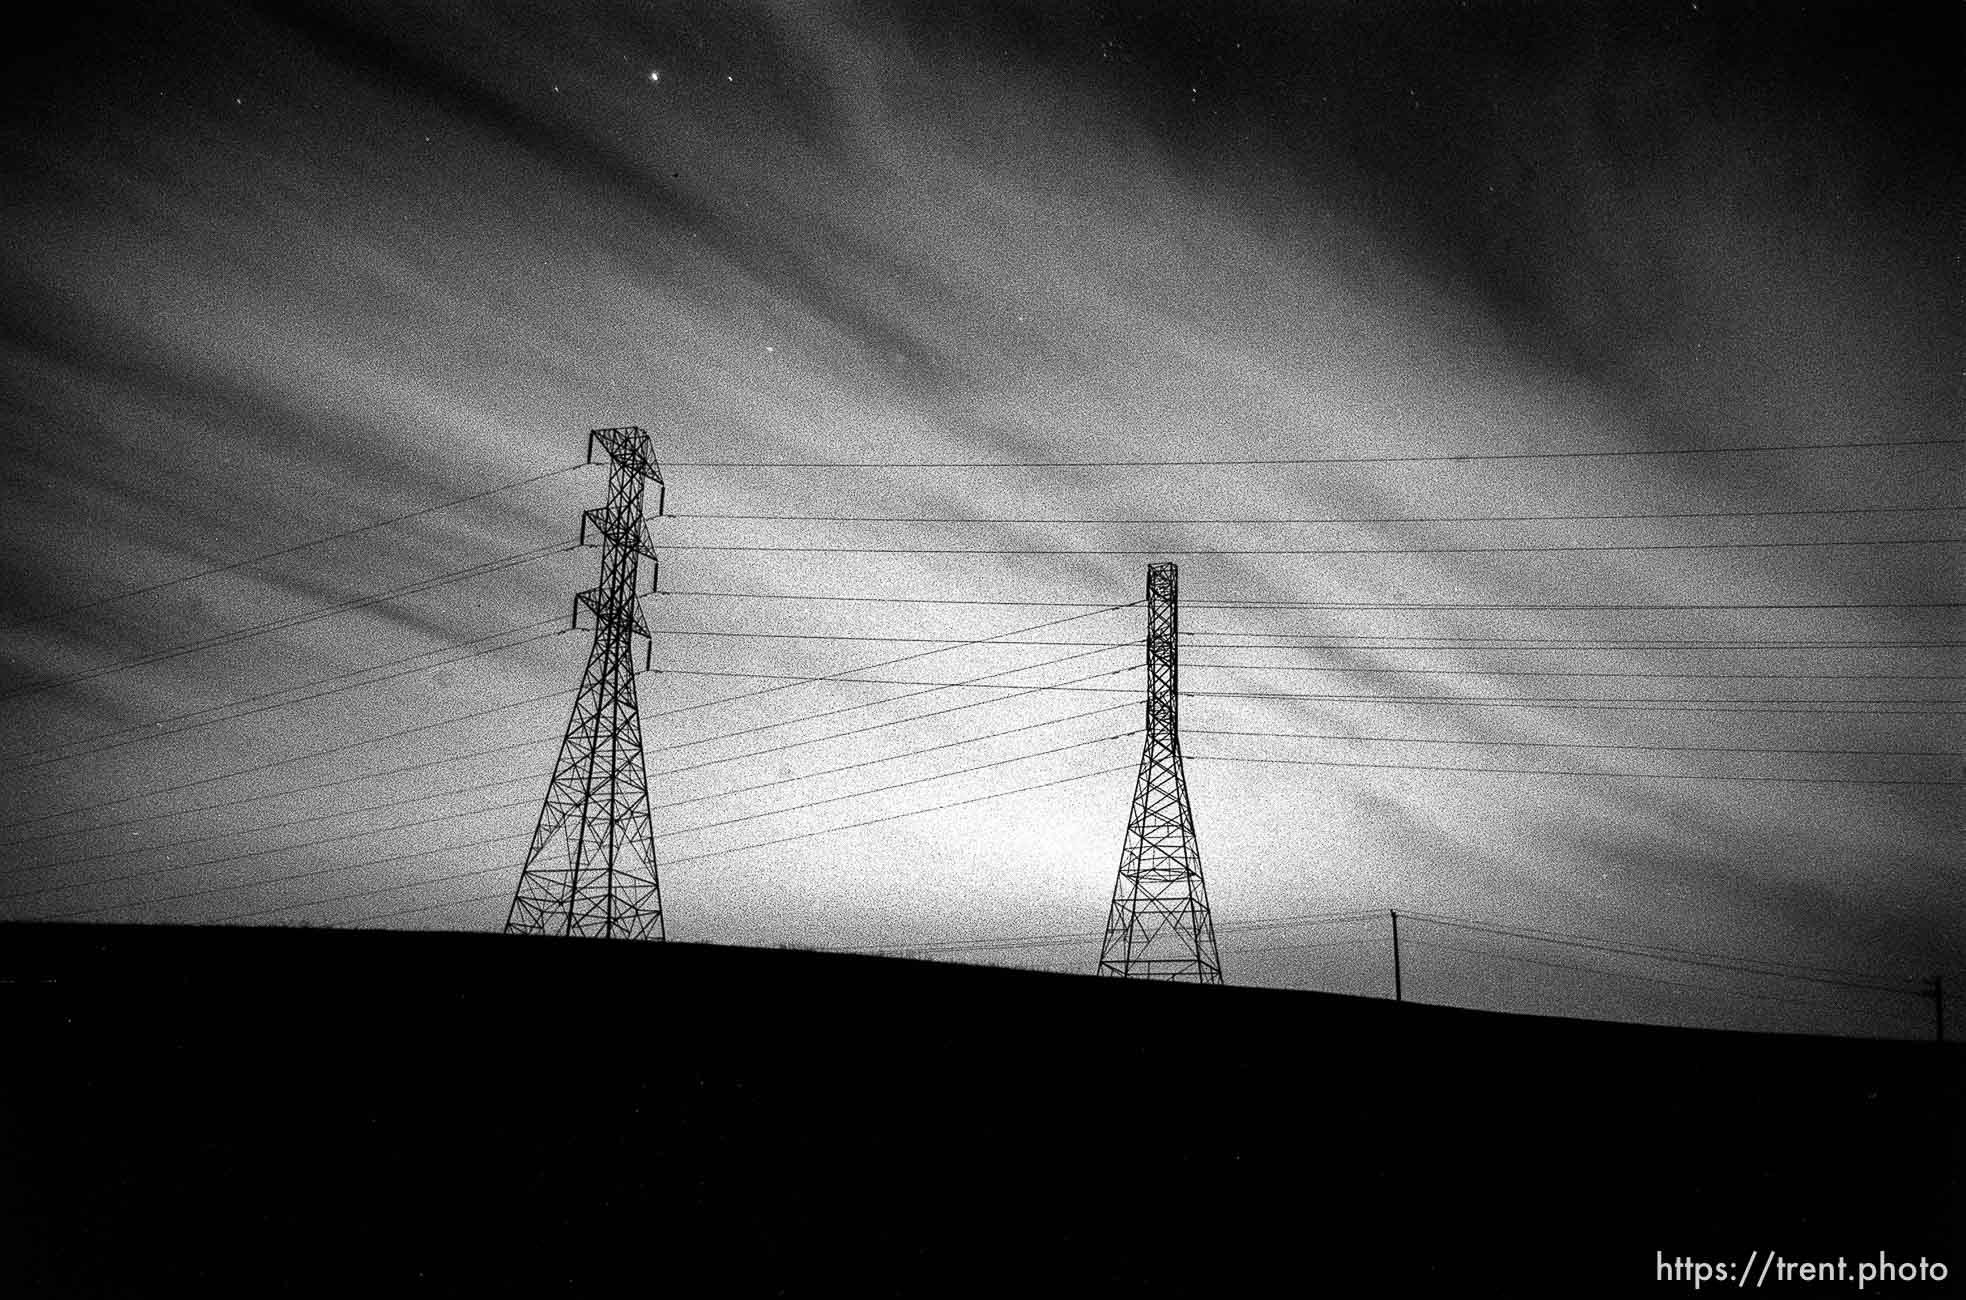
[875,726]
[232,712]
[283,762]
[420,822]
[669,862]
[1567,672]
[1666,703]
[1814,1003]
[1331,605]
[999,521]
[497,748]
[1327,551]
[1571,772]
[1533,644]
[1572,607]
[300,619]
[934,688]
[1385,459]
[308,788]
[896,785]
[287,550]
[870,762]
[1344,641]
[948,647]
[1576,744]
[1666,951]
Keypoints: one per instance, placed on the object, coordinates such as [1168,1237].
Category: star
[655,76]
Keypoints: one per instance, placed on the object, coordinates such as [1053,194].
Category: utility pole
[1398,994]
[1159,926]
[591,867]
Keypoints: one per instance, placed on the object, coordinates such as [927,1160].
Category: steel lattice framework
[591,867]
[1159,926]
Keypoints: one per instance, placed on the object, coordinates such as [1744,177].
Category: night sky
[280,274]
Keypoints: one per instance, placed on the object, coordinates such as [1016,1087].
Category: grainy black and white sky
[275,273]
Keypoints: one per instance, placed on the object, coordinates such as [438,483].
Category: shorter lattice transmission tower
[591,867]
[1159,926]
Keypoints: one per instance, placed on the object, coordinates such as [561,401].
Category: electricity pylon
[591,867]
[1159,926]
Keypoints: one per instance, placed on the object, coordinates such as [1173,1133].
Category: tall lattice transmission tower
[591,867]
[1159,926]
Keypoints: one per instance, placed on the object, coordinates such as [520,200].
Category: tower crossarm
[625,528]
[628,447]
[594,601]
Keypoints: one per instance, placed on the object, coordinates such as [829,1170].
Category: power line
[289,550]
[1560,607]
[1350,916]
[500,896]
[310,788]
[1046,940]
[172,869]
[1557,672]
[1322,605]
[1578,744]
[1056,940]
[150,730]
[262,767]
[874,726]
[1306,550]
[1098,606]
[360,893]
[997,521]
[945,648]
[1665,703]
[1537,771]
[1344,641]
[313,786]
[420,822]
[277,880]
[1536,644]
[897,785]
[747,635]
[869,762]
[915,812]
[1668,951]
[669,862]
[1815,1003]
[1322,460]
[933,688]
[1360,941]
[290,621]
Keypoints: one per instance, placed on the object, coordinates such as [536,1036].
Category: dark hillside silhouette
[190,1111]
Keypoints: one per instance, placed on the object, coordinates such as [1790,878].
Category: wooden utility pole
[1398,994]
